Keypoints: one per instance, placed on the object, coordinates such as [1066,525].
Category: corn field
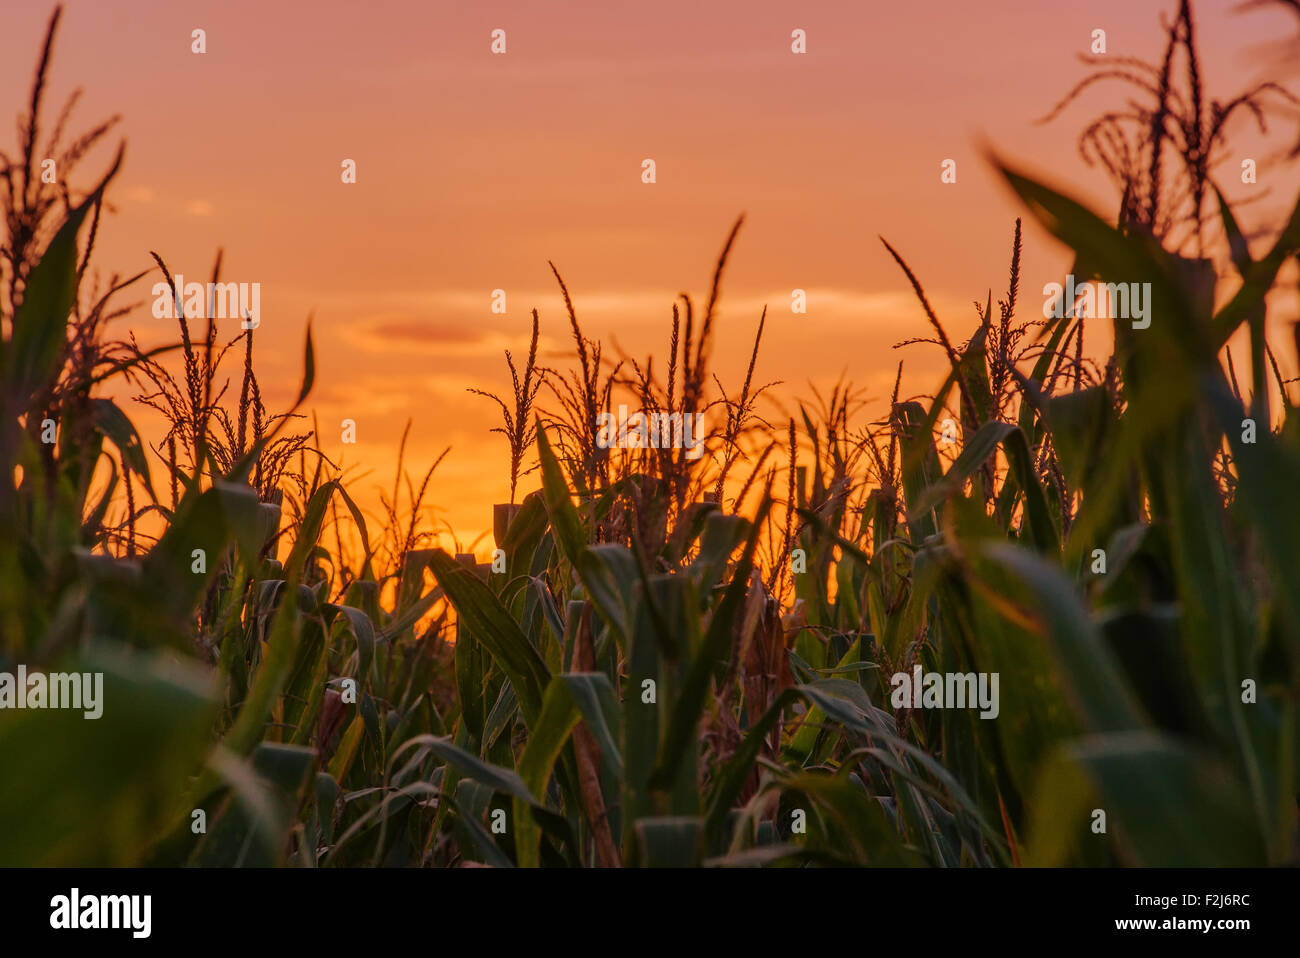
[667,660]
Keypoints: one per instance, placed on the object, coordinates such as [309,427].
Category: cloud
[381,335]
[413,331]
[626,303]
[473,341]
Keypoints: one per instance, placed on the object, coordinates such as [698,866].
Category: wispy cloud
[642,305]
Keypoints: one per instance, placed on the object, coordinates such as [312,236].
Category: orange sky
[475,169]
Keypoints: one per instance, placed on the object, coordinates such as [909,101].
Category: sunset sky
[474,169]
